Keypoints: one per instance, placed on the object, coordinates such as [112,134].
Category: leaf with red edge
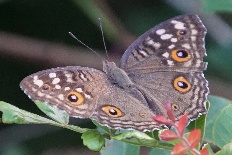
[194,138]
[168,135]
[170,113]
[182,124]
[204,151]
[179,149]
[161,120]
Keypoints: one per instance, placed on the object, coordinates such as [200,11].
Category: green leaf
[136,138]
[93,140]
[217,5]
[226,150]
[216,106]
[199,123]
[114,147]
[156,151]
[222,129]
[104,129]
[12,114]
[55,113]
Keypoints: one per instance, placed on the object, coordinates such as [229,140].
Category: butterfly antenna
[72,35]
[103,38]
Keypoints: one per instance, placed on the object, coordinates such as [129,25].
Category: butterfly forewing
[73,89]
[176,44]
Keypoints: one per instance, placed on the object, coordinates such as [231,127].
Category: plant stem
[185,141]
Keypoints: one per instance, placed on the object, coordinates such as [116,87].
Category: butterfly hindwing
[174,45]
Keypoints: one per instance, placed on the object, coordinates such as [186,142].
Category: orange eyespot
[174,106]
[181,84]
[75,98]
[181,32]
[112,111]
[46,87]
[181,55]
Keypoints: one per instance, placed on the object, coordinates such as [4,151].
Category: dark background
[34,36]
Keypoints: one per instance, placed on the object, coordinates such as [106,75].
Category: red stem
[185,141]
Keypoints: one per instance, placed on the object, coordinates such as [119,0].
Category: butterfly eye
[45,87]
[75,98]
[181,32]
[142,114]
[181,55]
[112,111]
[181,84]
[174,107]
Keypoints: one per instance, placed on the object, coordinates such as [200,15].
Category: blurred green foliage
[52,20]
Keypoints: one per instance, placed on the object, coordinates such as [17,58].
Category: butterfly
[164,64]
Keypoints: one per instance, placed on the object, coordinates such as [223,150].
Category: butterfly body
[163,65]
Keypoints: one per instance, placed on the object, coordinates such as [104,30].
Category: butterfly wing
[186,92]
[176,44]
[73,89]
[118,109]
[86,93]
[166,64]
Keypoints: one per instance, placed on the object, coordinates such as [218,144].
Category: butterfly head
[108,66]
